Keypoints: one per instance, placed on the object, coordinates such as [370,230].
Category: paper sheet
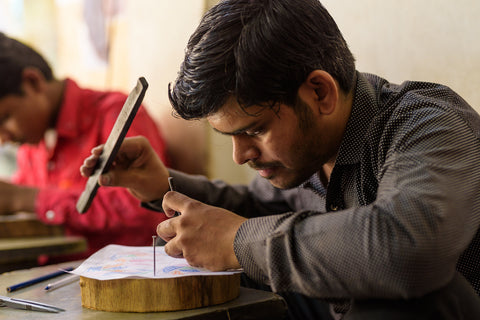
[116,262]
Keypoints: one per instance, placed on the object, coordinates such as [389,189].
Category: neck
[326,172]
[55,95]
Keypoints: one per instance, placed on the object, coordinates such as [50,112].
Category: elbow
[421,271]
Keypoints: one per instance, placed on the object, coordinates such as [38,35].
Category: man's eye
[254,133]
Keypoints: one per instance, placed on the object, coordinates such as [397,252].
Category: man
[56,124]
[367,194]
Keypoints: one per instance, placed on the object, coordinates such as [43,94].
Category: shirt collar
[67,122]
[364,109]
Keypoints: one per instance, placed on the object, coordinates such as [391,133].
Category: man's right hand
[136,167]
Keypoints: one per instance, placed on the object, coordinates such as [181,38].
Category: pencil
[62,282]
[39,279]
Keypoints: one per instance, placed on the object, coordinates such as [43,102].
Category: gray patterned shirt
[401,206]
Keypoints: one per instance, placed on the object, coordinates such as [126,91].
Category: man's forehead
[231,119]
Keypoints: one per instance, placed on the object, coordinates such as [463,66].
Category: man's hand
[202,234]
[136,167]
[14,198]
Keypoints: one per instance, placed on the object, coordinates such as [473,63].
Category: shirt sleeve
[258,199]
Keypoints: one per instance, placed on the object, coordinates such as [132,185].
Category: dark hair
[14,57]
[260,52]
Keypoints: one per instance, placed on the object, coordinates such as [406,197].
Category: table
[26,224]
[18,253]
[251,304]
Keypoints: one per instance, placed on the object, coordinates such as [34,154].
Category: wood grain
[153,295]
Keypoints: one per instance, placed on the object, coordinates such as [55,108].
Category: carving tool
[27,305]
[114,140]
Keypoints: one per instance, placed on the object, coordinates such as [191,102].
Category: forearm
[247,201]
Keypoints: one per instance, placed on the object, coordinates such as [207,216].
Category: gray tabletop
[251,304]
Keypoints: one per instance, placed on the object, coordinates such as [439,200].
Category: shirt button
[50,214]
[333,207]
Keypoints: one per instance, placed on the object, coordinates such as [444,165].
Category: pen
[37,280]
[172,188]
[63,282]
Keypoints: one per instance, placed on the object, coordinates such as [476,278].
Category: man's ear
[33,79]
[321,90]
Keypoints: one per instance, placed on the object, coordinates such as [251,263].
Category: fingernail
[105,180]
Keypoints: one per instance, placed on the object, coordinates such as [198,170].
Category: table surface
[21,253]
[251,304]
[26,224]
[18,249]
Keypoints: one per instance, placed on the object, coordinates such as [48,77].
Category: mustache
[263,165]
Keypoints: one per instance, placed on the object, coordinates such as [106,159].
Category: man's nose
[244,149]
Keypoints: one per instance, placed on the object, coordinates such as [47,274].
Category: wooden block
[153,295]
[24,225]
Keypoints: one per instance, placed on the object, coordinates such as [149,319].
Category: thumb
[117,178]
[105,179]
[176,202]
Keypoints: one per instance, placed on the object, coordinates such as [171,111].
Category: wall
[430,40]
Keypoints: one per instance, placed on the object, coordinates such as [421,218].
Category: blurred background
[108,44]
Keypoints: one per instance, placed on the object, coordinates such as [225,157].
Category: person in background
[55,123]
[367,194]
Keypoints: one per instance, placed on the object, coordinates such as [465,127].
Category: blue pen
[37,280]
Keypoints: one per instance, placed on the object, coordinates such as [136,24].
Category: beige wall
[431,40]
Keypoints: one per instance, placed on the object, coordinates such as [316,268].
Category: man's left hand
[202,234]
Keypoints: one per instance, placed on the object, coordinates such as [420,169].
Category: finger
[176,202]
[119,178]
[97,151]
[105,179]
[166,230]
[173,249]
[88,166]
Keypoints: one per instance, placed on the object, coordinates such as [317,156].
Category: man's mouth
[266,173]
[264,170]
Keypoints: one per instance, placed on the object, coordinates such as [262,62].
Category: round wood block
[152,295]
